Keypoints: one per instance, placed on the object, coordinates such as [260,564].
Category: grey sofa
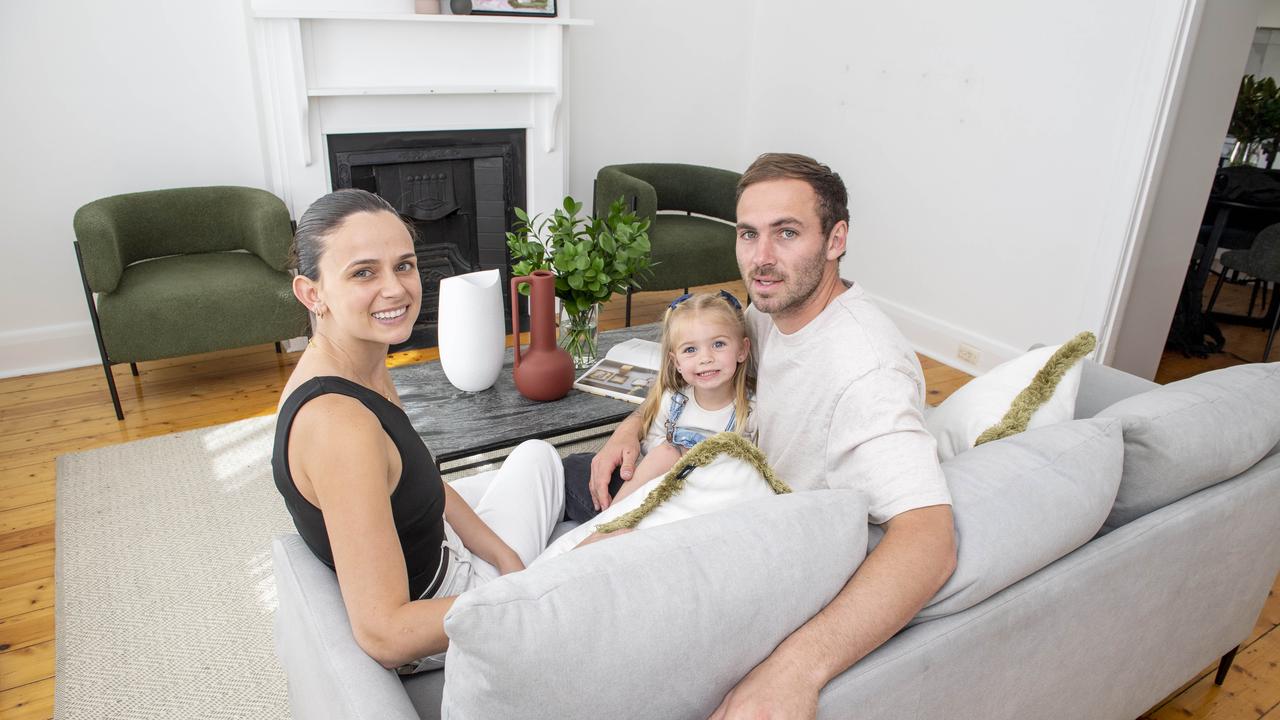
[1168,578]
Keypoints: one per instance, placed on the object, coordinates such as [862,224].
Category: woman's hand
[509,564]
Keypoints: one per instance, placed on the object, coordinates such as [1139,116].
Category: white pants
[522,502]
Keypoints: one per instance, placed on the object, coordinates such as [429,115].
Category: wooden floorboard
[42,416]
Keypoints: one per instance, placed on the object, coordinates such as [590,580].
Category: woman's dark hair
[323,217]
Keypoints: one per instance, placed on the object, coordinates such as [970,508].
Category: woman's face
[369,279]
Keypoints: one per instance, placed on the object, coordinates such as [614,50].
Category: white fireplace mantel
[324,68]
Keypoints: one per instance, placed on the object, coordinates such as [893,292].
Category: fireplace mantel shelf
[432,90]
[300,14]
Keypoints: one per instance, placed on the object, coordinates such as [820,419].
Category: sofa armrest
[99,238]
[1102,387]
[613,183]
[329,675]
[264,227]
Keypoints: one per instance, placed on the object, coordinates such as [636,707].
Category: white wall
[993,152]
[1204,110]
[659,81]
[998,156]
[1269,14]
[103,98]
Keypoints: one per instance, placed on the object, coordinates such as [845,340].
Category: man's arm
[906,569]
[621,450]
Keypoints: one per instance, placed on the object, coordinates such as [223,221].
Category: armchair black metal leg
[1217,288]
[628,307]
[1253,296]
[133,368]
[1271,337]
[1224,665]
[279,348]
[97,333]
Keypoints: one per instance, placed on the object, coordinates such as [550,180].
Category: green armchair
[688,250]
[185,271]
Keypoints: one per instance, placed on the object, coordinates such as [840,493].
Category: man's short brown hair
[833,198]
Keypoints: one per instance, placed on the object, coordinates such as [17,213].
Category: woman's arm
[341,451]
[479,538]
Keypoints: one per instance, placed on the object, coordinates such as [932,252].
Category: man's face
[781,249]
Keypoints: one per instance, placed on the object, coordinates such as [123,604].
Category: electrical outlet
[969,354]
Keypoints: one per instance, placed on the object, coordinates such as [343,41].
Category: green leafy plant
[1256,117]
[592,258]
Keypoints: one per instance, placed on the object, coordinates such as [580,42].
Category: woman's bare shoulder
[334,416]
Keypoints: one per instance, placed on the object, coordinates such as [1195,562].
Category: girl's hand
[598,536]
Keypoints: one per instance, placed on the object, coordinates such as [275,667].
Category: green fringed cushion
[1033,390]
[718,473]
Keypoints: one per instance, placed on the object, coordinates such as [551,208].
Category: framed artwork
[529,8]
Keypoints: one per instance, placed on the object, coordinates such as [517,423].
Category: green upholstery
[188,304]
[687,250]
[189,270]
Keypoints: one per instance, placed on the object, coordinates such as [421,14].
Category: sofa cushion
[1033,390]
[1188,435]
[722,471]
[1025,501]
[695,604]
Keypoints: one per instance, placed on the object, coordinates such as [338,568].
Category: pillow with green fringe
[1036,389]
[719,472]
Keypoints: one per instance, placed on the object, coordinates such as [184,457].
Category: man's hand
[622,450]
[914,559]
[770,692]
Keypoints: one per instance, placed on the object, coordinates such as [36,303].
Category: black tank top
[417,503]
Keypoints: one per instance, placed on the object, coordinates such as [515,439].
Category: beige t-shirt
[840,404]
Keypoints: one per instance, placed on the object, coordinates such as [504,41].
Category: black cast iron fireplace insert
[457,187]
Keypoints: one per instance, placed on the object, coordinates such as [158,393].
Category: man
[839,404]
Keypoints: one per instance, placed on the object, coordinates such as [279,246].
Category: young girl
[702,386]
[702,390]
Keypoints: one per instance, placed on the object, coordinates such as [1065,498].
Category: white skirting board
[46,349]
[939,340]
[61,347]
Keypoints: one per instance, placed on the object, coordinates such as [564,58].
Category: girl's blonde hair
[714,306]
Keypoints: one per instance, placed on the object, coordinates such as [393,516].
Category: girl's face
[369,280]
[707,351]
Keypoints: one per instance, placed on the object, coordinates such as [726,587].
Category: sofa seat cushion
[187,304]
[1023,502]
[688,251]
[1190,434]
[666,619]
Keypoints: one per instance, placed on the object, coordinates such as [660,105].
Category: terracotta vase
[544,370]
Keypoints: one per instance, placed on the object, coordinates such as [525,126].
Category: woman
[361,486]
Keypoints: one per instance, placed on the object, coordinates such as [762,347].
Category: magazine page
[626,372]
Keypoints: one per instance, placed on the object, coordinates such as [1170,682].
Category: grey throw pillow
[1022,502]
[658,623]
[1188,435]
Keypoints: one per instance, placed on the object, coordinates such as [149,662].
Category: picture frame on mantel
[522,8]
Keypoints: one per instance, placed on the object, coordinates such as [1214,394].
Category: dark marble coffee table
[456,424]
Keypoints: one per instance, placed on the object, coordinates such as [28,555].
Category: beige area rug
[164,587]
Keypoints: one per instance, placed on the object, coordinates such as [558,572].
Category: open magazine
[626,372]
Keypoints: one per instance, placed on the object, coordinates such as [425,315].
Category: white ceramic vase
[472,338]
